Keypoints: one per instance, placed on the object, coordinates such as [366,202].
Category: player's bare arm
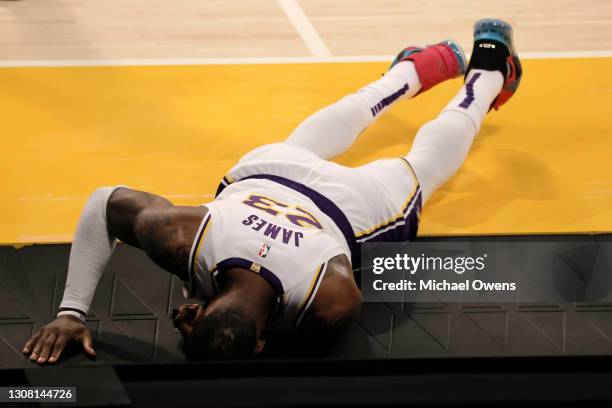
[143,220]
[166,233]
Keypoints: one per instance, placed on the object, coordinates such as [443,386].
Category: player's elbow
[343,308]
[337,306]
[322,327]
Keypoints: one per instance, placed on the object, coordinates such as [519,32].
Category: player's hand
[187,316]
[47,344]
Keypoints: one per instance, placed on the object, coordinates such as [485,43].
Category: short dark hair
[223,334]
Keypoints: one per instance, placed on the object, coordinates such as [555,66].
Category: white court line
[264,60]
[565,54]
[193,61]
[305,28]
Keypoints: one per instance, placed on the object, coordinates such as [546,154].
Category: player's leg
[494,73]
[333,129]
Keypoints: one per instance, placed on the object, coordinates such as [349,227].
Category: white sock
[332,130]
[440,146]
[401,82]
[474,100]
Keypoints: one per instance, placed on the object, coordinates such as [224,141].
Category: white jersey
[270,230]
[283,212]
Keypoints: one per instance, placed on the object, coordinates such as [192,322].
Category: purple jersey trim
[323,203]
[406,231]
[400,219]
[302,311]
[265,273]
[191,269]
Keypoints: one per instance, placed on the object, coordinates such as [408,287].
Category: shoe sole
[452,44]
[406,52]
[495,30]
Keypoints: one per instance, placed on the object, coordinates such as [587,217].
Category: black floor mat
[129,316]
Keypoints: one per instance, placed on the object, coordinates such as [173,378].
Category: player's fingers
[30,343]
[57,349]
[37,347]
[88,344]
[45,351]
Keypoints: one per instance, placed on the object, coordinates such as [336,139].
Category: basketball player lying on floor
[274,250]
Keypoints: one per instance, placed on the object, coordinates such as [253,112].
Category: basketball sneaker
[434,63]
[494,51]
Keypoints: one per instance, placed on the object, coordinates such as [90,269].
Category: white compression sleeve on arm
[91,250]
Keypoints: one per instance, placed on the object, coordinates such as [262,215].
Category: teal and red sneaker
[494,51]
[434,63]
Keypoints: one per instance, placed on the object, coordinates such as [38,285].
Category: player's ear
[259,346]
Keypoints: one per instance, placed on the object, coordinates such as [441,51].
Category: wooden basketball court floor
[165,96]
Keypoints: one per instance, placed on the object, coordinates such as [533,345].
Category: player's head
[221,334]
[224,334]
